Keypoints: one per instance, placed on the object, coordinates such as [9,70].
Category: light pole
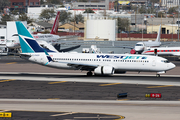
[152,25]
[172,27]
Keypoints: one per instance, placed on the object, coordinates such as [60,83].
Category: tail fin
[48,56]
[159,35]
[56,24]
[27,42]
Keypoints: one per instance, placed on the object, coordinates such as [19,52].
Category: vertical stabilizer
[159,34]
[27,42]
[56,24]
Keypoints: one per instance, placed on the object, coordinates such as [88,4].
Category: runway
[131,110]
[32,87]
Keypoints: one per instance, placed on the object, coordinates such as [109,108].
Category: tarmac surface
[23,89]
[44,115]
[31,91]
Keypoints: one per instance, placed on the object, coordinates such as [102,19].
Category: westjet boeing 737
[101,64]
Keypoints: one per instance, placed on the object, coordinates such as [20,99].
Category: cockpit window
[139,45]
[165,61]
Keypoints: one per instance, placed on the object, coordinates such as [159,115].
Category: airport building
[23,4]
[169,3]
[100,29]
[104,4]
[166,29]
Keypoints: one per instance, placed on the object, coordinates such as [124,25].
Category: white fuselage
[169,51]
[122,62]
[13,42]
[46,37]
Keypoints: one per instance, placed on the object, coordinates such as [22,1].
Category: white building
[3,50]
[169,3]
[3,36]
[101,29]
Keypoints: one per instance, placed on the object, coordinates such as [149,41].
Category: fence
[126,35]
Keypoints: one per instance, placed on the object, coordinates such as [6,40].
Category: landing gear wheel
[89,73]
[157,75]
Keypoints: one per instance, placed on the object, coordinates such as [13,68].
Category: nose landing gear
[157,75]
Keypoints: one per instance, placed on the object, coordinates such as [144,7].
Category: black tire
[157,75]
[89,73]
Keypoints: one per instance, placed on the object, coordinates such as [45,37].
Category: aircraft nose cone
[138,49]
[8,45]
[172,65]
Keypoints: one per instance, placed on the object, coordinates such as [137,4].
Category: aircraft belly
[58,65]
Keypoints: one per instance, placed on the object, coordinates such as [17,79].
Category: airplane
[163,51]
[52,38]
[13,42]
[141,46]
[101,64]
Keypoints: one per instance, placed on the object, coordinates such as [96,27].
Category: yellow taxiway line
[7,80]
[109,84]
[160,86]
[53,99]
[122,99]
[57,82]
[11,63]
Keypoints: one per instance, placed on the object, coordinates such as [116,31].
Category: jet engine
[104,70]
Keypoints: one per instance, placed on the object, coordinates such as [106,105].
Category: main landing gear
[89,73]
[157,75]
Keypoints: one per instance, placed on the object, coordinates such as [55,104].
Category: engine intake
[104,70]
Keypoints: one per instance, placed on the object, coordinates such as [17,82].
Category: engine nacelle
[104,70]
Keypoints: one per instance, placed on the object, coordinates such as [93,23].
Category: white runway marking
[130,80]
[70,113]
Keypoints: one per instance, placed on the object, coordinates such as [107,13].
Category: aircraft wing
[57,47]
[128,47]
[78,66]
[165,44]
[81,66]
[25,55]
[69,49]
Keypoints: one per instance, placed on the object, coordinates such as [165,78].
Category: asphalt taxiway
[30,87]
